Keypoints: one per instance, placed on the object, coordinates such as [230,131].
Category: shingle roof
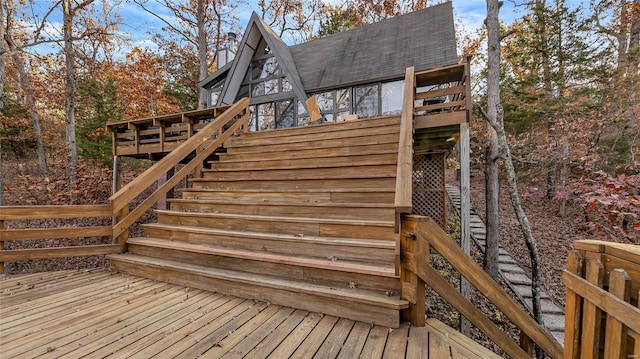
[423,39]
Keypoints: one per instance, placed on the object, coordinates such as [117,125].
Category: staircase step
[288,137]
[300,197]
[305,173]
[383,230]
[356,249]
[290,185]
[326,127]
[328,270]
[352,303]
[277,146]
[320,205]
[344,150]
[320,162]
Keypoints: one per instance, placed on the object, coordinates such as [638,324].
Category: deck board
[98,314]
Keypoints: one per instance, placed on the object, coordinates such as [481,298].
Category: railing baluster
[592,315]
[615,334]
[573,310]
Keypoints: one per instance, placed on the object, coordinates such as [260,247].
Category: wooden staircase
[301,217]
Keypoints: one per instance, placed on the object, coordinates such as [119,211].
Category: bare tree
[495,118]
[200,22]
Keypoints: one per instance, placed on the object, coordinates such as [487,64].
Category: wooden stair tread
[345,172]
[291,189]
[346,294]
[336,241]
[236,149]
[314,152]
[327,162]
[328,127]
[338,265]
[283,202]
[301,155]
[283,219]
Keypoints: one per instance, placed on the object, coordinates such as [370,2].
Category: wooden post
[573,310]
[465,210]
[122,238]
[615,342]
[412,287]
[592,315]
[116,174]
[2,247]
[162,202]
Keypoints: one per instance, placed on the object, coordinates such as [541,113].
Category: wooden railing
[222,127]
[403,200]
[158,134]
[419,235]
[29,213]
[233,119]
[442,96]
[603,284]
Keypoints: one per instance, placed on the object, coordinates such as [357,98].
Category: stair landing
[97,314]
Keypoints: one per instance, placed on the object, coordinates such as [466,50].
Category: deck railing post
[412,287]
[2,244]
[122,238]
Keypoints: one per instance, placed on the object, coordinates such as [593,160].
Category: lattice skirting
[428,187]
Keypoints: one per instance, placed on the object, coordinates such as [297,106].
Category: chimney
[227,53]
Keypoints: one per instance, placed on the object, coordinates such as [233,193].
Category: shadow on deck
[104,314]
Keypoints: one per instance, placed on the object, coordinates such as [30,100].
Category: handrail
[200,143]
[403,200]
[434,237]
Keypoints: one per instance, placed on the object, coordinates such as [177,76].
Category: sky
[140,26]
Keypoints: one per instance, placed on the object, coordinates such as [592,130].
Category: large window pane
[392,97]
[266,116]
[285,114]
[286,85]
[366,101]
[257,89]
[252,119]
[264,68]
[325,101]
[343,99]
[271,86]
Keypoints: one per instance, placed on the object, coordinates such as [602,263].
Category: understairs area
[301,217]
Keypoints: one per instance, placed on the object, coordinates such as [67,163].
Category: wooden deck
[101,314]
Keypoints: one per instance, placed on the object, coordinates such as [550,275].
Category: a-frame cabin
[314,196]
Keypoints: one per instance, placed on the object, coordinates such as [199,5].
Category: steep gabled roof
[257,29]
[381,51]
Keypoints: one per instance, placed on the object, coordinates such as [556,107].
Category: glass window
[271,87]
[257,89]
[343,99]
[264,68]
[325,101]
[286,85]
[252,119]
[285,115]
[392,97]
[366,101]
[266,116]
[215,92]
[301,109]
[339,115]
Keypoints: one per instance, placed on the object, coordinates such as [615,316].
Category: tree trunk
[2,70]
[492,195]
[562,211]
[492,151]
[35,118]
[70,90]
[495,118]
[202,51]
